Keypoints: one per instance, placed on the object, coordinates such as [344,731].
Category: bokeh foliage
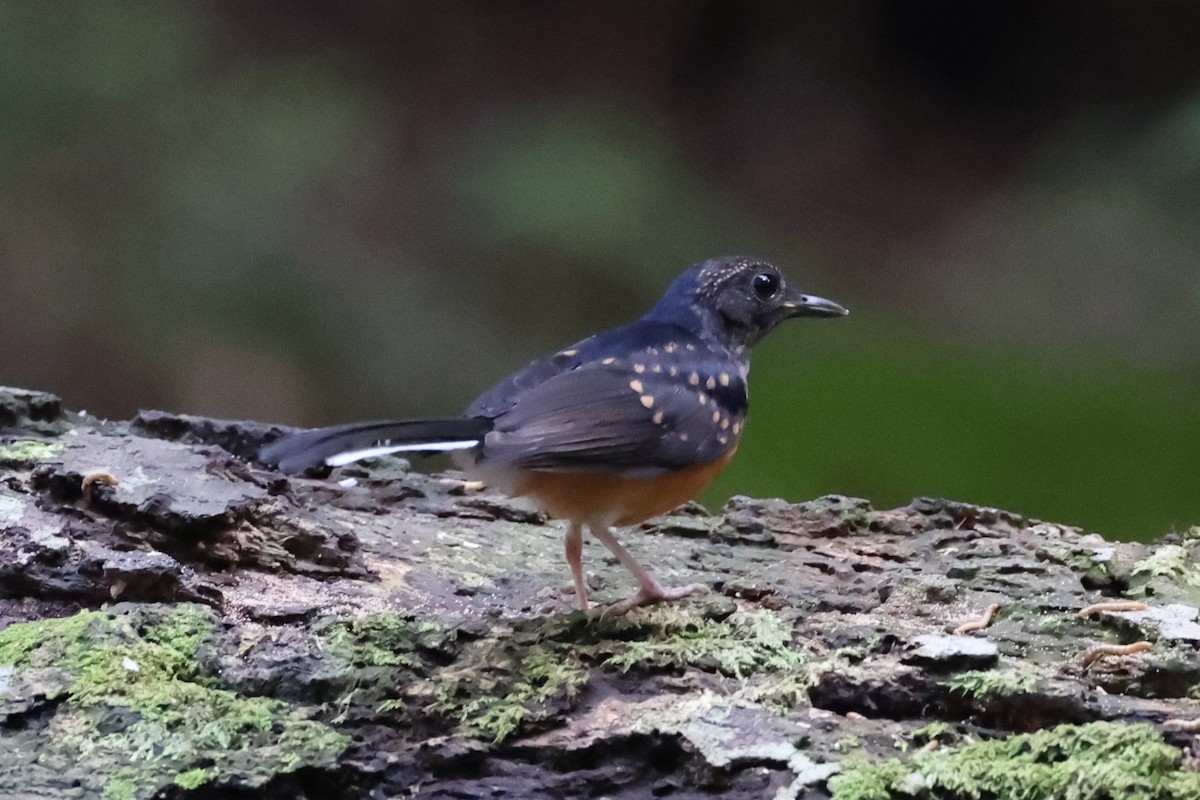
[314,214]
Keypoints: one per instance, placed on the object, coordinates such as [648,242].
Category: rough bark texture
[206,627]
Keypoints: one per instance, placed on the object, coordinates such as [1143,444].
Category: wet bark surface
[180,621]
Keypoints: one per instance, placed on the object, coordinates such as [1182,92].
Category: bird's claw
[652,593]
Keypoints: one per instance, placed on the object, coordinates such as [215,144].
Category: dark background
[318,211]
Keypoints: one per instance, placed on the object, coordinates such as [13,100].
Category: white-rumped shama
[617,428]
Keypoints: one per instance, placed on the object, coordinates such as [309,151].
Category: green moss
[24,452]
[194,778]
[497,710]
[184,628]
[381,651]
[49,642]
[1171,561]
[120,789]
[782,691]
[377,640]
[984,683]
[389,706]
[859,780]
[302,742]
[1098,761]
[140,709]
[1169,571]
[136,672]
[744,643]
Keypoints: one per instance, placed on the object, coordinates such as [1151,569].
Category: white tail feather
[341,459]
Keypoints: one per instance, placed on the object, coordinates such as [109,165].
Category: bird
[615,429]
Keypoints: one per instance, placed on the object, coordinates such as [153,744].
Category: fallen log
[181,621]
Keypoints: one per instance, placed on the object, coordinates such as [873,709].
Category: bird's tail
[342,444]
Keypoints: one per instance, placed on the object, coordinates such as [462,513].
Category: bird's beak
[808,305]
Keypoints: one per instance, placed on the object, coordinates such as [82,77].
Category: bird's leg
[574,547]
[649,589]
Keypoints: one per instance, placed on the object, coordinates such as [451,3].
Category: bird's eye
[765,284]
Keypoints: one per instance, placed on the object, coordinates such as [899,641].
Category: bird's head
[738,299]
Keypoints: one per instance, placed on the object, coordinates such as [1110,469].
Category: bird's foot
[652,593]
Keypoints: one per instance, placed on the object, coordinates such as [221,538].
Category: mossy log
[179,621]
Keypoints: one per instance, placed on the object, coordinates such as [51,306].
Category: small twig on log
[1113,605]
[1102,650]
[979,623]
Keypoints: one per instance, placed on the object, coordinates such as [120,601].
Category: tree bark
[181,621]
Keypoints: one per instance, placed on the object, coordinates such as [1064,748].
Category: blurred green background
[320,211]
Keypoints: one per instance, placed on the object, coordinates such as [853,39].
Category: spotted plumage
[615,428]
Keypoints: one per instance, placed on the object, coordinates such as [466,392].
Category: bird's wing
[607,418]
[621,341]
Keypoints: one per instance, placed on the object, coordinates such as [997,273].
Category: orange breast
[615,499]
